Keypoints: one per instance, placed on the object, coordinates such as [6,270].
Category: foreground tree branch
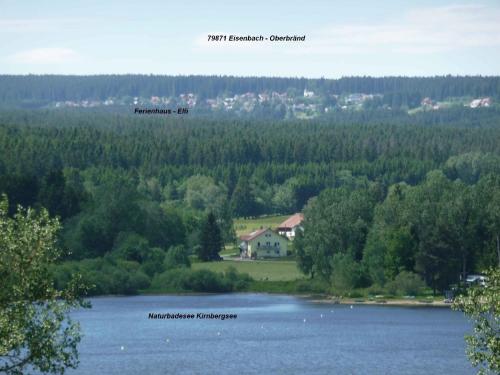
[36,332]
[482,306]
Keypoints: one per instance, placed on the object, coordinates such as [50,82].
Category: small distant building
[476,280]
[308,94]
[427,102]
[354,99]
[481,102]
[263,243]
[290,226]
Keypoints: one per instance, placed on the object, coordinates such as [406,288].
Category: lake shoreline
[396,302]
[313,298]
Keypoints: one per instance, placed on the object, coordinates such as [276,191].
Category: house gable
[264,243]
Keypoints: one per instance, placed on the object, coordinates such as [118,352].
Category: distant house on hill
[263,243]
[308,94]
[290,226]
[481,102]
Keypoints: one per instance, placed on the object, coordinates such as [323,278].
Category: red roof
[254,234]
[292,221]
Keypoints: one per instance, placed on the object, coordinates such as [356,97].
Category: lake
[273,334]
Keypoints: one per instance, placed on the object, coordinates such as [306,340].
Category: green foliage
[202,193]
[118,218]
[154,262]
[336,222]
[469,167]
[406,284]
[36,331]
[304,259]
[347,274]
[131,246]
[59,195]
[210,240]
[437,229]
[482,306]
[266,270]
[177,256]
[362,175]
[284,199]
[186,280]
[31,90]
[243,201]
[106,275]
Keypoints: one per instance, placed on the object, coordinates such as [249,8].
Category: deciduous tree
[36,332]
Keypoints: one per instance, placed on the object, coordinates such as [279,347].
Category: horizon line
[247,76]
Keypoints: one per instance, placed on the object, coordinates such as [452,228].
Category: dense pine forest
[15,89]
[390,198]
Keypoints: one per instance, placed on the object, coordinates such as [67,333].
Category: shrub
[237,281]
[406,283]
[105,275]
[186,280]
[347,273]
[131,246]
[311,286]
[154,262]
[177,256]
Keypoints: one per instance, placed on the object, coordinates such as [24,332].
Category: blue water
[272,335]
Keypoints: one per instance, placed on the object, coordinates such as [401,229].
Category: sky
[343,38]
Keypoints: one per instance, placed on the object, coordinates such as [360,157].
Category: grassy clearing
[245,226]
[229,249]
[273,270]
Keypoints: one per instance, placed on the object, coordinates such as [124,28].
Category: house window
[268,243]
[258,244]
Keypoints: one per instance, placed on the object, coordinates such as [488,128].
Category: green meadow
[245,226]
[259,270]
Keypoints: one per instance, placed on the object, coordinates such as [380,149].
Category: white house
[290,226]
[308,94]
[263,243]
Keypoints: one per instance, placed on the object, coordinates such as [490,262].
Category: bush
[406,283]
[311,286]
[238,281]
[131,246]
[347,273]
[375,290]
[154,262]
[205,281]
[105,275]
[355,294]
[177,256]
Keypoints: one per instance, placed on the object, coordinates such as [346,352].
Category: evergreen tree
[211,240]
[243,201]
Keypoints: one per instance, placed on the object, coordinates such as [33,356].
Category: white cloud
[30,25]
[425,30]
[23,25]
[44,56]
[418,31]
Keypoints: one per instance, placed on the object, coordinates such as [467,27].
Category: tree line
[36,90]
[441,229]
[129,190]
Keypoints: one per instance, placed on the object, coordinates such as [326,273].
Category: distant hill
[259,96]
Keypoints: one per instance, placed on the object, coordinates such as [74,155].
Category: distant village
[291,104]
